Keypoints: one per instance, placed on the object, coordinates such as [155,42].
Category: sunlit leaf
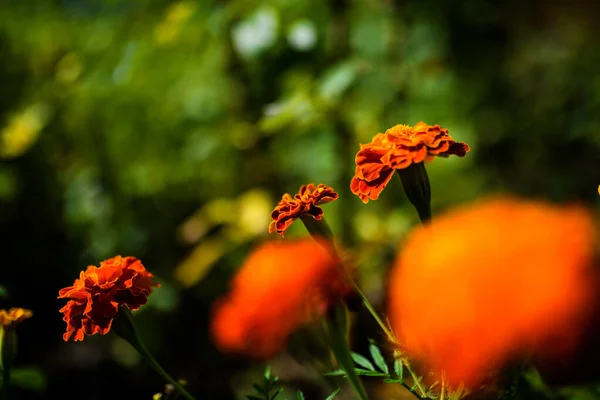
[332,395]
[362,361]
[337,80]
[378,358]
[196,265]
[398,367]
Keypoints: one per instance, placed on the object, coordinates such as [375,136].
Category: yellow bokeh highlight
[22,130]
[69,68]
[175,15]
[241,219]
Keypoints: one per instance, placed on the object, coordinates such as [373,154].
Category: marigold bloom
[280,287]
[95,298]
[490,281]
[305,202]
[14,316]
[397,148]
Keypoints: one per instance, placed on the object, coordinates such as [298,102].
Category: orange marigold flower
[305,202]
[280,287]
[490,281]
[397,148]
[95,298]
[14,316]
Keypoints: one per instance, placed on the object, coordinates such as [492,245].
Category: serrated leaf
[332,395]
[398,369]
[378,358]
[362,361]
[299,395]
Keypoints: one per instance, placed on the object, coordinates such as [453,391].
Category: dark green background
[133,128]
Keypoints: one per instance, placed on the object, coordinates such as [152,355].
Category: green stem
[336,328]
[156,366]
[5,383]
[390,336]
[127,330]
[319,230]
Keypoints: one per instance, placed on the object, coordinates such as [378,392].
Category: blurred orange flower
[280,287]
[14,316]
[398,148]
[95,298]
[305,202]
[490,281]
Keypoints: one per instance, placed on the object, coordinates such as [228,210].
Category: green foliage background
[168,130]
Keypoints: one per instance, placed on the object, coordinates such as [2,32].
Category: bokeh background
[168,131]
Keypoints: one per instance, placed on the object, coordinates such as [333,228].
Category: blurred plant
[23,130]
[236,222]
[170,392]
[268,391]
[280,287]
[383,371]
[474,316]
[9,320]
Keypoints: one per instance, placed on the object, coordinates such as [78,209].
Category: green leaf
[337,372]
[336,326]
[28,378]
[362,361]
[398,367]
[299,395]
[378,358]
[259,389]
[337,79]
[389,380]
[277,393]
[332,395]
[366,372]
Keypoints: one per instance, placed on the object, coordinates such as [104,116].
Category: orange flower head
[397,148]
[280,287]
[305,202]
[488,282]
[95,298]
[14,316]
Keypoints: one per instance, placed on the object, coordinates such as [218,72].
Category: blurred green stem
[5,383]
[319,230]
[391,338]
[8,350]
[336,327]
[125,328]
